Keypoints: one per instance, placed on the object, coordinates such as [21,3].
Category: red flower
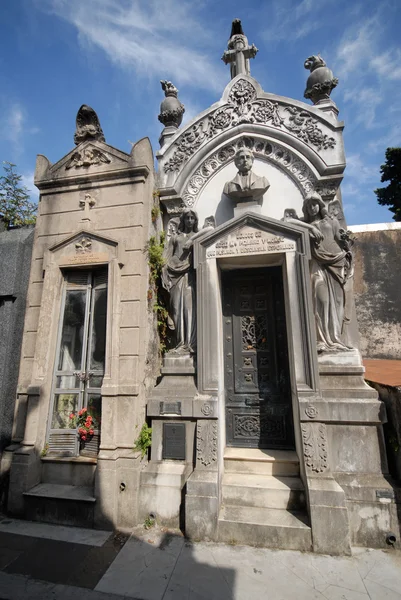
[91,432]
[82,411]
[72,416]
[83,438]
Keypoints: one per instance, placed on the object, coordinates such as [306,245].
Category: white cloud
[12,124]
[358,170]
[291,20]
[162,38]
[388,64]
[357,46]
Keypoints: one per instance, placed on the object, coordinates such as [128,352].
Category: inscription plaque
[170,408]
[248,240]
[174,441]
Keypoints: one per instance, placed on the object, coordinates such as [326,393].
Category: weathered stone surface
[377,289]
[15,252]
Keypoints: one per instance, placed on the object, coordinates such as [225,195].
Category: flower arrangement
[85,424]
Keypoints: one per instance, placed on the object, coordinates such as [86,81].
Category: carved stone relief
[244,107]
[83,245]
[298,171]
[86,158]
[206,443]
[314,438]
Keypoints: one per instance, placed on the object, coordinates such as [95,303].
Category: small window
[80,362]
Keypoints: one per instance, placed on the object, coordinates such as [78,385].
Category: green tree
[391,171]
[16,208]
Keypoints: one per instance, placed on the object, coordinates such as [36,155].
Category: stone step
[79,471]
[61,504]
[265,491]
[263,462]
[264,527]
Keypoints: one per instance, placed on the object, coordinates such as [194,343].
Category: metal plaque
[174,441]
[170,408]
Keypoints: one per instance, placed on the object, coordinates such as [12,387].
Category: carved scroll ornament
[244,107]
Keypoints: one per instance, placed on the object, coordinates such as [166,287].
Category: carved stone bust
[246,185]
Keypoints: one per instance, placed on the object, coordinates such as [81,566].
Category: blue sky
[111,54]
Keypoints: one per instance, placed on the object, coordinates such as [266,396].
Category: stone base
[202,505]
[116,489]
[161,492]
[372,507]
[244,207]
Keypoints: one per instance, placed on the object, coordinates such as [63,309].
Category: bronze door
[257,381]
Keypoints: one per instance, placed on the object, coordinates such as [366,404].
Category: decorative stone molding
[83,245]
[245,107]
[311,412]
[206,409]
[272,152]
[87,157]
[314,438]
[206,443]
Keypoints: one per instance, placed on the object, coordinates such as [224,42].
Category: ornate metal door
[257,382]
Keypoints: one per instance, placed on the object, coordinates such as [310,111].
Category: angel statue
[178,278]
[331,272]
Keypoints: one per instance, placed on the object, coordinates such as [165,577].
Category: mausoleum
[264,431]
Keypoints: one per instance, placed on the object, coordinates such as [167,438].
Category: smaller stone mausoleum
[264,431]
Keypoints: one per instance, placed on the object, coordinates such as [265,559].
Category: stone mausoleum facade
[264,431]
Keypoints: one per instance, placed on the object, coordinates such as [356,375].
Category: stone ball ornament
[171,109]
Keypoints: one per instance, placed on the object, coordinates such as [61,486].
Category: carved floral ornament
[314,439]
[206,442]
[299,172]
[244,107]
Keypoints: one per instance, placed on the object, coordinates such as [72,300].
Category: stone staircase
[263,500]
[65,495]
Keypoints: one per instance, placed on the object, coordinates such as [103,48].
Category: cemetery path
[47,562]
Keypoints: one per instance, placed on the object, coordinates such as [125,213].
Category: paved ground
[47,562]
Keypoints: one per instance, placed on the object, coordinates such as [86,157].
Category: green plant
[155,250]
[149,522]
[155,213]
[144,440]
[16,209]
[45,450]
[156,261]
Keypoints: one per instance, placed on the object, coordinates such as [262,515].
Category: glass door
[80,361]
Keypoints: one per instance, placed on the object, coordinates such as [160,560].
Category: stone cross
[239,52]
[87,203]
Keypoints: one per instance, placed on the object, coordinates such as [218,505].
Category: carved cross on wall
[238,55]
[86,204]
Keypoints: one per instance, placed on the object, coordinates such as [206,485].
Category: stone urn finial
[321,80]
[171,109]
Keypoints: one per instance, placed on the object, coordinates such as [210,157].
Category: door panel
[258,399]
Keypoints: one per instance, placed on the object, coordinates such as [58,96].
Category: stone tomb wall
[91,213]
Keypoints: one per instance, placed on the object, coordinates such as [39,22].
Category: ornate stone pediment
[252,235]
[244,102]
[82,248]
[89,157]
